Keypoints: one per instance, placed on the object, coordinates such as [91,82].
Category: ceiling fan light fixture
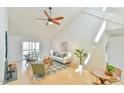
[51,20]
[50,23]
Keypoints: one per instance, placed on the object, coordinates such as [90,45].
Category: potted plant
[109,69]
[81,56]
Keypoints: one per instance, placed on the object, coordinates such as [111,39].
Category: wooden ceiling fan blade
[40,19]
[55,22]
[59,18]
[46,13]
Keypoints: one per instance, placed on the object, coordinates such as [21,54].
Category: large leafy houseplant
[81,55]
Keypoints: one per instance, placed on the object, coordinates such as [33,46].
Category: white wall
[3,28]
[98,58]
[80,34]
[116,52]
[15,48]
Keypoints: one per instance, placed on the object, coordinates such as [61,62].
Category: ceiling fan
[51,20]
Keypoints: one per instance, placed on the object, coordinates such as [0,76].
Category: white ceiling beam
[110,17]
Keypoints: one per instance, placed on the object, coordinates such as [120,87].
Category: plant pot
[79,69]
[108,73]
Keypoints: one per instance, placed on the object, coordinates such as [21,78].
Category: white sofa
[61,57]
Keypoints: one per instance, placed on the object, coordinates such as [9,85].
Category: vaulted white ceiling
[22,21]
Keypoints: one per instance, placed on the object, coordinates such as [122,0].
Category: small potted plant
[81,56]
[109,69]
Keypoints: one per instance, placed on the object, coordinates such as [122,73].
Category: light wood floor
[64,77]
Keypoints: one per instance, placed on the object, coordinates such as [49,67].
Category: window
[31,48]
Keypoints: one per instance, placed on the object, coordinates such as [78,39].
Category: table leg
[102,80]
[98,81]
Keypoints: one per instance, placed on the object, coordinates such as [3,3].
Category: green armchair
[38,69]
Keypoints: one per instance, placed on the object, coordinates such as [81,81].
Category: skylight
[102,28]
[99,34]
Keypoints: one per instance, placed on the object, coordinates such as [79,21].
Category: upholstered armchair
[38,69]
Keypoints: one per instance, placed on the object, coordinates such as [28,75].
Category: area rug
[56,67]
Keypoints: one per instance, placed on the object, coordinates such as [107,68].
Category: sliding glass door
[32,48]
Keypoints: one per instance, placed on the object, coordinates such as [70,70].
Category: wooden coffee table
[100,74]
